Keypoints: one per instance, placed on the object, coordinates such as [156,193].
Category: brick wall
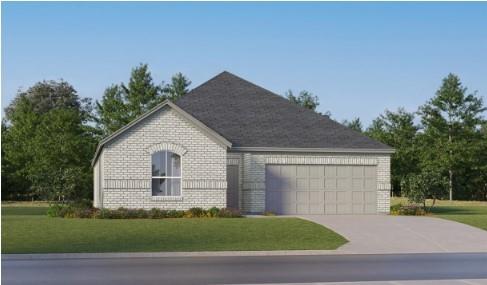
[126,180]
[253,172]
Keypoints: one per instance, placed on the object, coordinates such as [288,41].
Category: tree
[397,129]
[48,142]
[112,113]
[354,124]
[451,122]
[122,103]
[178,87]
[425,185]
[304,99]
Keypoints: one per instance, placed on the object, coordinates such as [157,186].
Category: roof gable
[201,126]
[252,117]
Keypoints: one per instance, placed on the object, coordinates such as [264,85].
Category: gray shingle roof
[250,116]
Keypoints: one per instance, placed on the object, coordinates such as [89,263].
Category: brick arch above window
[167,146]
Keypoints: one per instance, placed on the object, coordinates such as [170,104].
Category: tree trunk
[450,183]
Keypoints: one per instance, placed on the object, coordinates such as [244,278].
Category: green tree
[451,122]
[397,129]
[354,124]
[48,142]
[122,103]
[305,99]
[425,185]
[178,87]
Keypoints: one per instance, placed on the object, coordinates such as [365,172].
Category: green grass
[472,213]
[29,230]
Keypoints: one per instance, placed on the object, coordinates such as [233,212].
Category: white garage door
[321,189]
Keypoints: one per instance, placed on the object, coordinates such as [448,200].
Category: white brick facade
[252,186]
[126,164]
[122,171]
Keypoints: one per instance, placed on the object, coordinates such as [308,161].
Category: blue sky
[359,58]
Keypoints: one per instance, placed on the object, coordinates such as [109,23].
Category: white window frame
[169,177]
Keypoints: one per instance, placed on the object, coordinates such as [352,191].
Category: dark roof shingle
[250,116]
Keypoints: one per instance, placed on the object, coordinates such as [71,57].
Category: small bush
[229,213]
[195,213]
[213,212]
[410,210]
[72,211]
[55,210]
[269,213]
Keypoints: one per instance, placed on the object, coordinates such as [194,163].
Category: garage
[321,189]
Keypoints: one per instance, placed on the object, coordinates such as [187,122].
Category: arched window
[166,174]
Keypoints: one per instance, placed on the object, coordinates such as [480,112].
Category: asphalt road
[246,270]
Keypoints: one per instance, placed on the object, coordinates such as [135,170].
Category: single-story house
[230,143]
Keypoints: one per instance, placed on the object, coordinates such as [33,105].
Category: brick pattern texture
[126,178]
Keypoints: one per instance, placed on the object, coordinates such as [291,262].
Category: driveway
[403,234]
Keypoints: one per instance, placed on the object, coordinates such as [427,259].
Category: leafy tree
[304,99]
[122,103]
[425,185]
[397,129]
[178,87]
[112,113]
[354,124]
[451,122]
[48,137]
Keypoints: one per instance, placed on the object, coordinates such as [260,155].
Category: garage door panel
[331,209]
[316,171]
[330,183]
[344,208]
[358,171]
[316,209]
[370,171]
[343,171]
[344,183]
[302,184]
[344,197]
[330,171]
[358,208]
[302,197]
[370,184]
[357,183]
[321,189]
[302,171]
[288,171]
[316,184]
[370,197]
[370,208]
[330,197]
[357,197]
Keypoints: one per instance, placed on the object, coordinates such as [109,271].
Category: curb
[108,255]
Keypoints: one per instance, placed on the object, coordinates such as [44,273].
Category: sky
[358,58]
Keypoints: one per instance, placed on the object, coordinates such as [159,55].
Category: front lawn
[29,230]
[472,213]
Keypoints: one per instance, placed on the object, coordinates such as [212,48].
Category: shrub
[410,210]
[175,214]
[55,210]
[71,211]
[229,213]
[195,213]
[213,212]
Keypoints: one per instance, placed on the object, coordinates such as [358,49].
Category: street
[246,270]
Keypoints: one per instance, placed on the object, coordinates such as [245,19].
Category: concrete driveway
[403,234]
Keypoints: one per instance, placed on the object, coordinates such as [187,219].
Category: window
[166,174]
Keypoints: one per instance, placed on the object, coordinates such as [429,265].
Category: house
[230,143]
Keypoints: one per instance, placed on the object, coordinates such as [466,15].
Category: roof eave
[314,150]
